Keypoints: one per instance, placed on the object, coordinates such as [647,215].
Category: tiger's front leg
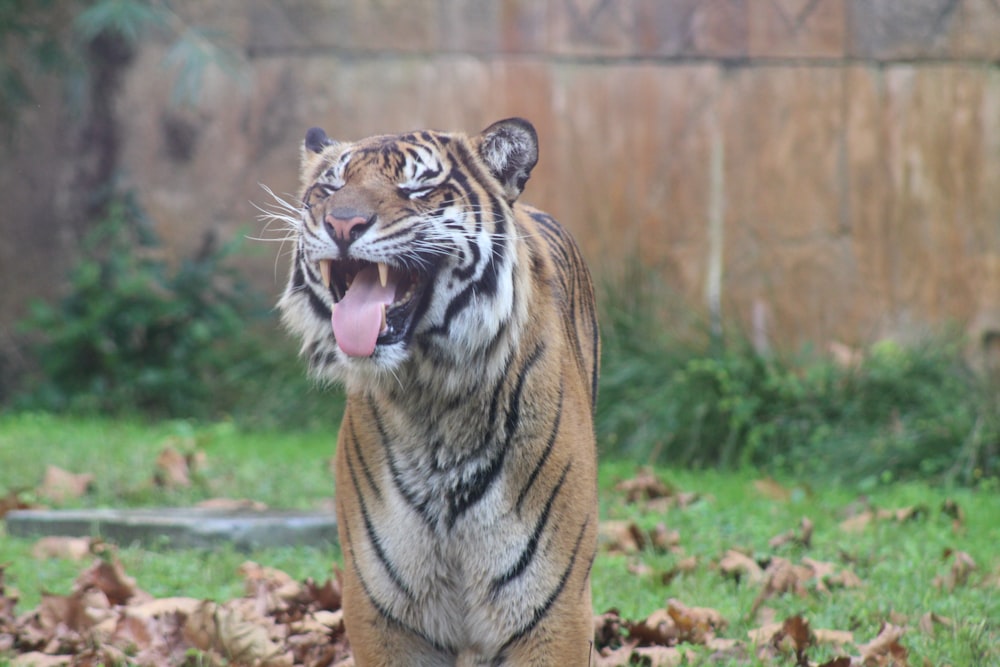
[565,638]
[376,642]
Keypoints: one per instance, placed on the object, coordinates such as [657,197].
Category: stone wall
[846,152]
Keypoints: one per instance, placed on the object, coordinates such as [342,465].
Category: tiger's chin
[382,368]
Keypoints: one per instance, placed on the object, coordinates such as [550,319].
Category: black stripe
[497,393]
[382,611]
[501,333]
[532,546]
[464,273]
[545,454]
[498,246]
[471,196]
[361,459]
[467,495]
[419,506]
[407,216]
[558,239]
[298,277]
[315,354]
[487,283]
[586,573]
[457,304]
[373,537]
[541,611]
[514,410]
[471,493]
[319,307]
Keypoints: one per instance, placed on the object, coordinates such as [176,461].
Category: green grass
[287,470]
[897,562]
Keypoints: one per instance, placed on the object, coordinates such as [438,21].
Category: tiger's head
[405,243]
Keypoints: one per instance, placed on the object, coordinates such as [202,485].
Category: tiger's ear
[312,149]
[316,140]
[510,150]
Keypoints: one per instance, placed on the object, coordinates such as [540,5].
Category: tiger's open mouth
[374,303]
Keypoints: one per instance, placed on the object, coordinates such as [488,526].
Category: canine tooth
[324,269]
[383,327]
[383,273]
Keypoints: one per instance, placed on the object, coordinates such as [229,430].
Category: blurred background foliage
[136,334]
[673,394]
[33,33]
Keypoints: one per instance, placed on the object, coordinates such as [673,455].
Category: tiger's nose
[344,227]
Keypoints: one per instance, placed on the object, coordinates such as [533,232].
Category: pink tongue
[357,318]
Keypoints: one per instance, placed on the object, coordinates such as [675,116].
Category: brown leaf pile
[676,634]
[107,619]
[279,622]
[653,493]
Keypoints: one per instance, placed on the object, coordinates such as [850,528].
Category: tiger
[461,324]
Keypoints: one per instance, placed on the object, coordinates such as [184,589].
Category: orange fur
[466,461]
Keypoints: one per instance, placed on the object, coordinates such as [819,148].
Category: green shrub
[673,395]
[135,333]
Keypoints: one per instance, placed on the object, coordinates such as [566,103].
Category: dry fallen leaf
[826,575]
[858,522]
[794,637]
[106,619]
[842,661]
[685,565]
[657,656]
[164,606]
[656,496]
[109,577]
[929,622]
[59,485]
[902,514]
[952,509]
[643,487]
[782,576]
[12,501]
[664,540]
[958,575]
[608,629]
[658,628]
[885,650]
[38,659]
[696,624]
[617,536]
[738,565]
[626,537]
[620,656]
[639,569]
[801,537]
[70,548]
[838,638]
[172,468]
[327,596]
[772,490]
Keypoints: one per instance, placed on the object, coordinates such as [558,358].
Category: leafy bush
[675,396]
[51,36]
[137,334]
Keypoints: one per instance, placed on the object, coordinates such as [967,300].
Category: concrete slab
[181,528]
